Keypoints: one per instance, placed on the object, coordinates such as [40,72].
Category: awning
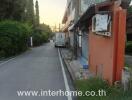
[85,19]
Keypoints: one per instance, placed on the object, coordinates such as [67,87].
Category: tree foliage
[29,12]
[41,34]
[12,9]
[14,33]
[37,13]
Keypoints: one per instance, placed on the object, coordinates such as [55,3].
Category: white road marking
[64,76]
[7,61]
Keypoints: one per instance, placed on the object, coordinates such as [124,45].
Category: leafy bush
[39,38]
[13,37]
[41,35]
[129,47]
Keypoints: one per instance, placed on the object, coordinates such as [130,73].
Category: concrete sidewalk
[74,66]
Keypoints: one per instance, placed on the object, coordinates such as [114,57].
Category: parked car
[60,40]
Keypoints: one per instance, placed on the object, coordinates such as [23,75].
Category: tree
[29,12]
[37,13]
[12,9]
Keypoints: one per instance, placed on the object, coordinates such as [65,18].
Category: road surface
[37,69]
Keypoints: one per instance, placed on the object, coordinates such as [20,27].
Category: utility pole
[31,41]
[59,27]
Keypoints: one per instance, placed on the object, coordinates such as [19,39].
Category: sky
[51,11]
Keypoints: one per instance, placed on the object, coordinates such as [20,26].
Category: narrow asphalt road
[36,69]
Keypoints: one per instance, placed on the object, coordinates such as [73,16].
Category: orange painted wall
[106,54]
[101,56]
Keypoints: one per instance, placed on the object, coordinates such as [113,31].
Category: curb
[68,67]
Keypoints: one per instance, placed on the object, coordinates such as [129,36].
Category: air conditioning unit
[101,24]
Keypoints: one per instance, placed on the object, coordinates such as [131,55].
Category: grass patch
[96,84]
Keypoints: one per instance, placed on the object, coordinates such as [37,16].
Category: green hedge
[41,34]
[13,37]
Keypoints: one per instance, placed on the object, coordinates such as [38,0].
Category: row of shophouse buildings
[78,25]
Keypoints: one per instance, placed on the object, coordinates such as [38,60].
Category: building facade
[97,51]
[78,37]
